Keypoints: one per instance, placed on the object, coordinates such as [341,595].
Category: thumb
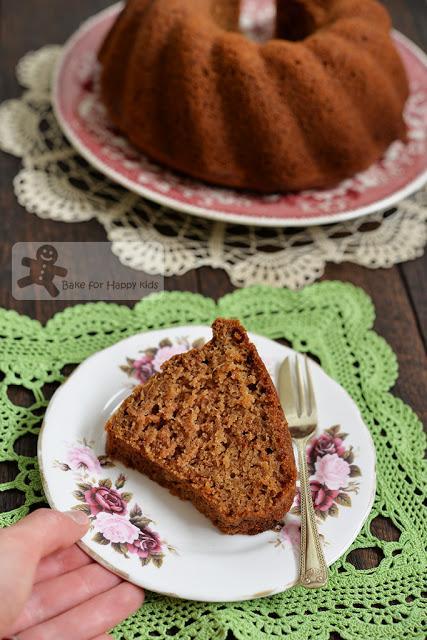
[23,545]
[45,531]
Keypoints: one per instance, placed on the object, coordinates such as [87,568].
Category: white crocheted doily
[56,183]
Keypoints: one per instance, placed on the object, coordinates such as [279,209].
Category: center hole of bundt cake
[243,15]
[258,25]
[284,19]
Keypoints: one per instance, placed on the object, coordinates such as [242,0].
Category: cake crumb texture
[210,428]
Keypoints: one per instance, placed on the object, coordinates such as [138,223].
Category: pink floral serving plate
[83,118]
[143,533]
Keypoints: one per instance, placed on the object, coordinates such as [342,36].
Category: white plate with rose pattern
[143,533]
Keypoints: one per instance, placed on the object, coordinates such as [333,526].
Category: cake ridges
[182,65]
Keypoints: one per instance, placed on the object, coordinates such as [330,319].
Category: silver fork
[299,405]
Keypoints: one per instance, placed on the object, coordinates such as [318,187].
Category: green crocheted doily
[334,322]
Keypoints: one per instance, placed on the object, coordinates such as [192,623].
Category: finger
[104,636]
[21,547]
[53,597]
[61,562]
[94,617]
[45,531]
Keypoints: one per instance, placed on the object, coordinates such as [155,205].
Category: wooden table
[399,293]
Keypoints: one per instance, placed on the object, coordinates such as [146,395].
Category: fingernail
[77,516]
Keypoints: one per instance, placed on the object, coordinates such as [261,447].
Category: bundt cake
[210,428]
[316,104]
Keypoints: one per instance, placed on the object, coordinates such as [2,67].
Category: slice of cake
[210,428]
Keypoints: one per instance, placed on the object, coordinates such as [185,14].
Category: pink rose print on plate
[147,543]
[143,368]
[165,353]
[116,528]
[291,534]
[153,358]
[322,496]
[324,444]
[115,520]
[331,468]
[332,471]
[105,499]
[83,457]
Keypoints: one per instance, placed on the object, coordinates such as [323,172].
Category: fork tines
[296,389]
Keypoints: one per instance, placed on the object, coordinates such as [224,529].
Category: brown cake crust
[318,103]
[269,454]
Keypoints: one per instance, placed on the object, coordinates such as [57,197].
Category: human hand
[50,589]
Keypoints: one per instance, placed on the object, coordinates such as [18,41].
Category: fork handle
[313,568]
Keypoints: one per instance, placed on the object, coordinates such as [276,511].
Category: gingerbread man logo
[43,270]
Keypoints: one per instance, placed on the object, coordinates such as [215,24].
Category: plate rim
[194,596]
[197,210]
